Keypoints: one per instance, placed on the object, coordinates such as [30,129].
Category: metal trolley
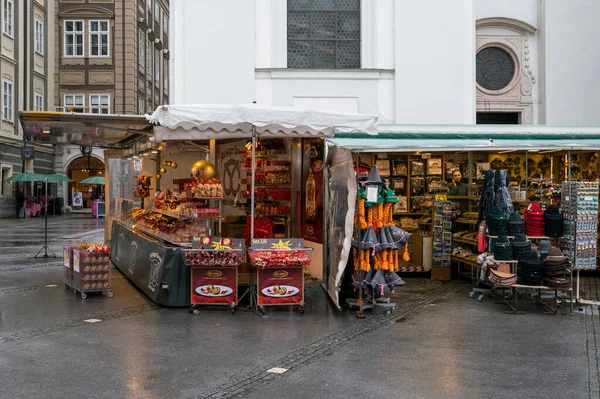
[214,272]
[281,284]
[86,271]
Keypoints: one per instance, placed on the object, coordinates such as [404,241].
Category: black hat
[544,246]
[503,248]
[515,217]
[521,240]
[553,222]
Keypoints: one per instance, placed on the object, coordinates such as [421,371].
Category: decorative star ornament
[218,246]
[281,245]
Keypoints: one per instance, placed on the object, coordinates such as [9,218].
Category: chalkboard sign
[101,209]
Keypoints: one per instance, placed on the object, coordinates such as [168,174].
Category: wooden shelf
[465,261]
[462,197]
[411,214]
[465,221]
[529,237]
[471,242]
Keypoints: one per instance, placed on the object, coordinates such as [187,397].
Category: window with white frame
[73,38]
[99,33]
[156,10]
[165,23]
[166,74]
[7,9]
[39,37]
[39,102]
[7,100]
[142,48]
[100,103]
[74,102]
[157,67]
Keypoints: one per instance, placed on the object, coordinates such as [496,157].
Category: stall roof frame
[440,138]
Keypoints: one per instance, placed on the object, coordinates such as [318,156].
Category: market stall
[274,157]
[427,165]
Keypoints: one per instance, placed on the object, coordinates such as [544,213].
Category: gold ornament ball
[158,176]
[163,170]
[174,165]
[203,170]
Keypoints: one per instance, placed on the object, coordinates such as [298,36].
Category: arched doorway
[79,169]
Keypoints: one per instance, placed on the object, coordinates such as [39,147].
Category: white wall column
[435,61]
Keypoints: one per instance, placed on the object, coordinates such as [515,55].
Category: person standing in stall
[457,187]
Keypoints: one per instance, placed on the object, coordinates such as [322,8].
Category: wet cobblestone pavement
[438,342]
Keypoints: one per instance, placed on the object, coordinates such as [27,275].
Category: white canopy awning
[206,121]
[410,138]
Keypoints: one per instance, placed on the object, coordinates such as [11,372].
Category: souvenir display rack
[580,240]
[442,240]
[214,264]
[465,254]
[280,271]
[87,269]
[580,211]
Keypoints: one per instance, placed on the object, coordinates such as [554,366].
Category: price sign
[372,192]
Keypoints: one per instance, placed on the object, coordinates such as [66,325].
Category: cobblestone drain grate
[250,378]
[64,325]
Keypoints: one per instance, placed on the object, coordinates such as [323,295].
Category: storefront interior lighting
[46,130]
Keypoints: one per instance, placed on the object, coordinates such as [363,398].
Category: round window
[495,68]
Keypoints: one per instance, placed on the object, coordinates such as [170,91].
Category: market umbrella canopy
[93,180]
[26,177]
[206,121]
[57,178]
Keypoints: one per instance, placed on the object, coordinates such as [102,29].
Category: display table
[280,266]
[214,263]
[158,269]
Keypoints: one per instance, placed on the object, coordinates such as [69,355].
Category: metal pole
[360,313]
[45,247]
[46,221]
[252,184]
[253,168]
